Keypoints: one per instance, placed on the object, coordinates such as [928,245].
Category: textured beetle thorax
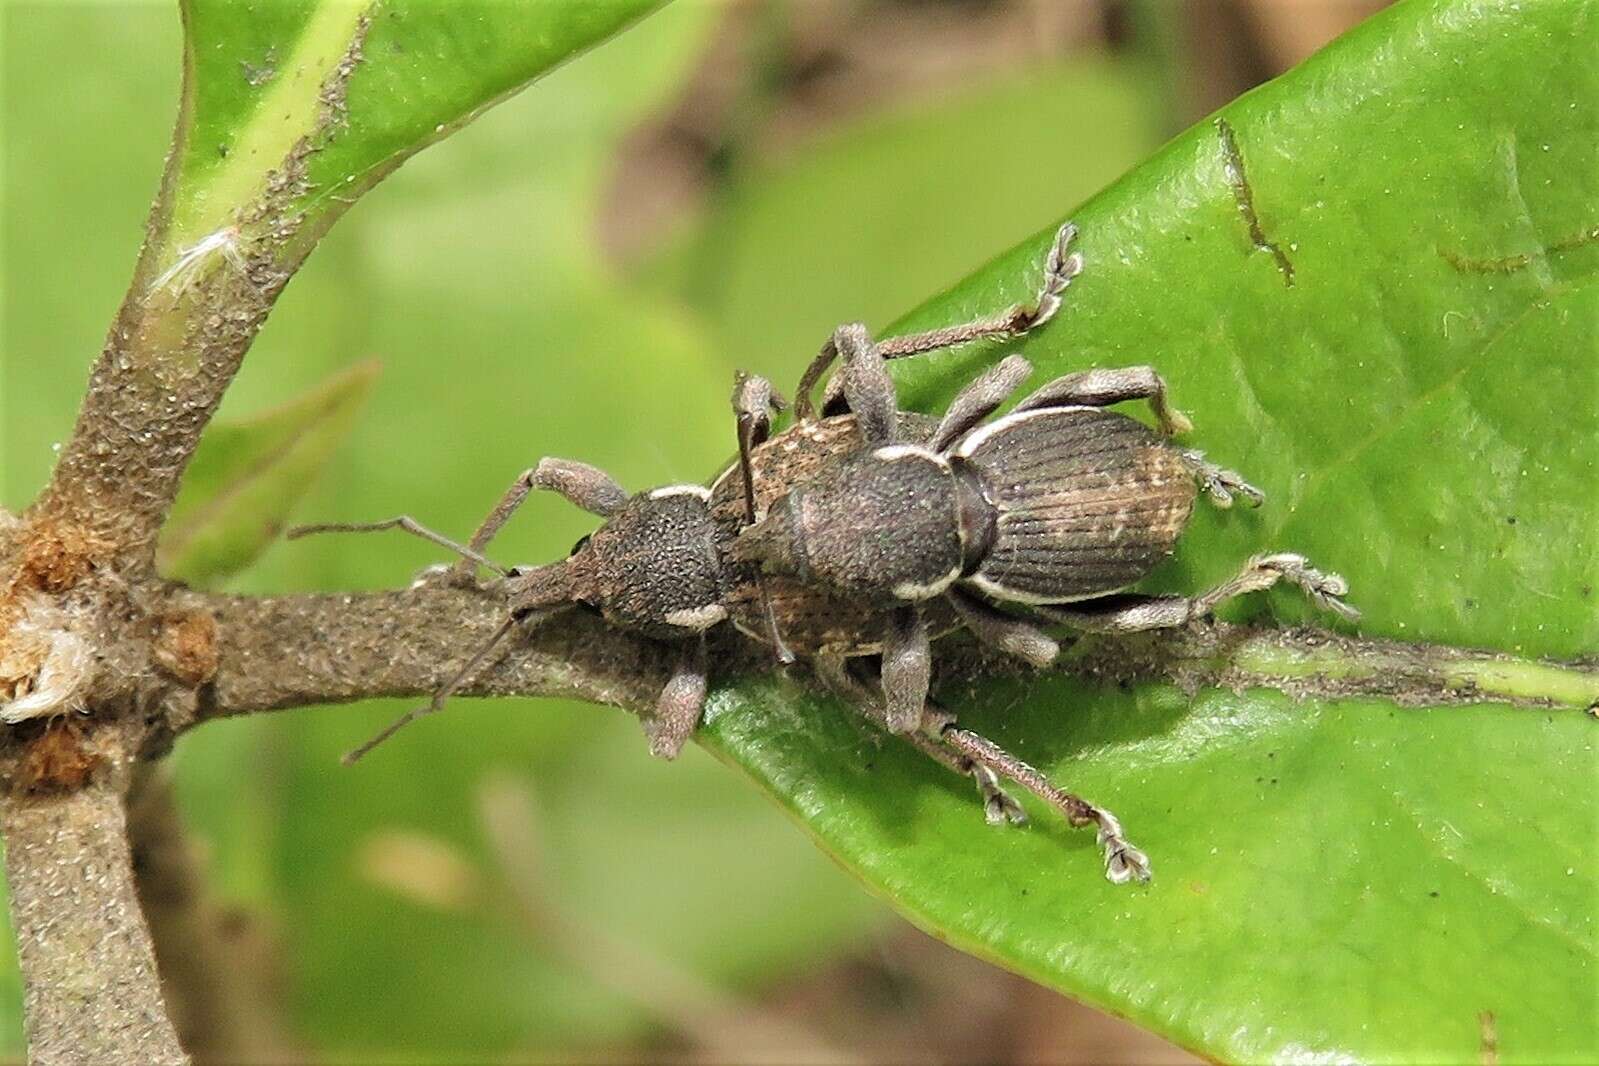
[883,525]
[655,566]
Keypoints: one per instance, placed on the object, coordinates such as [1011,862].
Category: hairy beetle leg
[1105,387]
[1060,266]
[1263,571]
[1123,861]
[1136,614]
[971,754]
[907,669]
[586,486]
[999,807]
[1219,484]
[681,703]
[1005,632]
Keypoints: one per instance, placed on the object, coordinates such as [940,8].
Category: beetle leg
[1123,861]
[1135,614]
[1101,388]
[1122,614]
[1263,571]
[1219,484]
[907,668]
[999,807]
[682,701]
[1005,632]
[970,753]
[867,385]
[979,399]
[586,486]
[1060,267]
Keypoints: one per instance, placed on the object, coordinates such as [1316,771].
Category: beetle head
[652,567]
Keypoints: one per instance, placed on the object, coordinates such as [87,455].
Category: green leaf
[1379,301]
[297,107]
[247,475]
[862,213]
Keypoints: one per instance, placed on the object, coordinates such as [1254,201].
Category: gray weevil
[657,566]
[873,531]
[1059,502]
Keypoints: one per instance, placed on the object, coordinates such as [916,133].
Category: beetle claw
[1123,861]
[1219,484]
[999,807]
[1325,590]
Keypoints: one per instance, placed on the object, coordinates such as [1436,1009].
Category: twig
[92,989]
[293,651]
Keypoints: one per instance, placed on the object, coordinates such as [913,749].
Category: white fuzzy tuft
[52,663]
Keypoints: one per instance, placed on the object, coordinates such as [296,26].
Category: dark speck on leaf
[1433,893]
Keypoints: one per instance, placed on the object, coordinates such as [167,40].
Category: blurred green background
[577,274]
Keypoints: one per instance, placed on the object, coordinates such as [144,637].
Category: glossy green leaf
[1372,284]
[298,106]
[247,475]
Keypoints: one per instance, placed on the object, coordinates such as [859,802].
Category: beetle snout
[776,543]
[542,588]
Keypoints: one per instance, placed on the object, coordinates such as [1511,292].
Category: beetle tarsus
[1060,267]
[1123,861]
[1326,590]
[999,806]
[1220,484]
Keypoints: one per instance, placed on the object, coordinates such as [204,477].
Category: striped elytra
[1086,502]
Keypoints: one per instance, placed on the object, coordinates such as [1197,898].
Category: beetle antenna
[746,431]
[437,702]
[407,523]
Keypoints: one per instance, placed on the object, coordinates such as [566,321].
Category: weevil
[673,562]
[657,567]
[1058,507]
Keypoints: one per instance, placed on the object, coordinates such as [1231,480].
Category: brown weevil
[866,531]
[1059,506]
